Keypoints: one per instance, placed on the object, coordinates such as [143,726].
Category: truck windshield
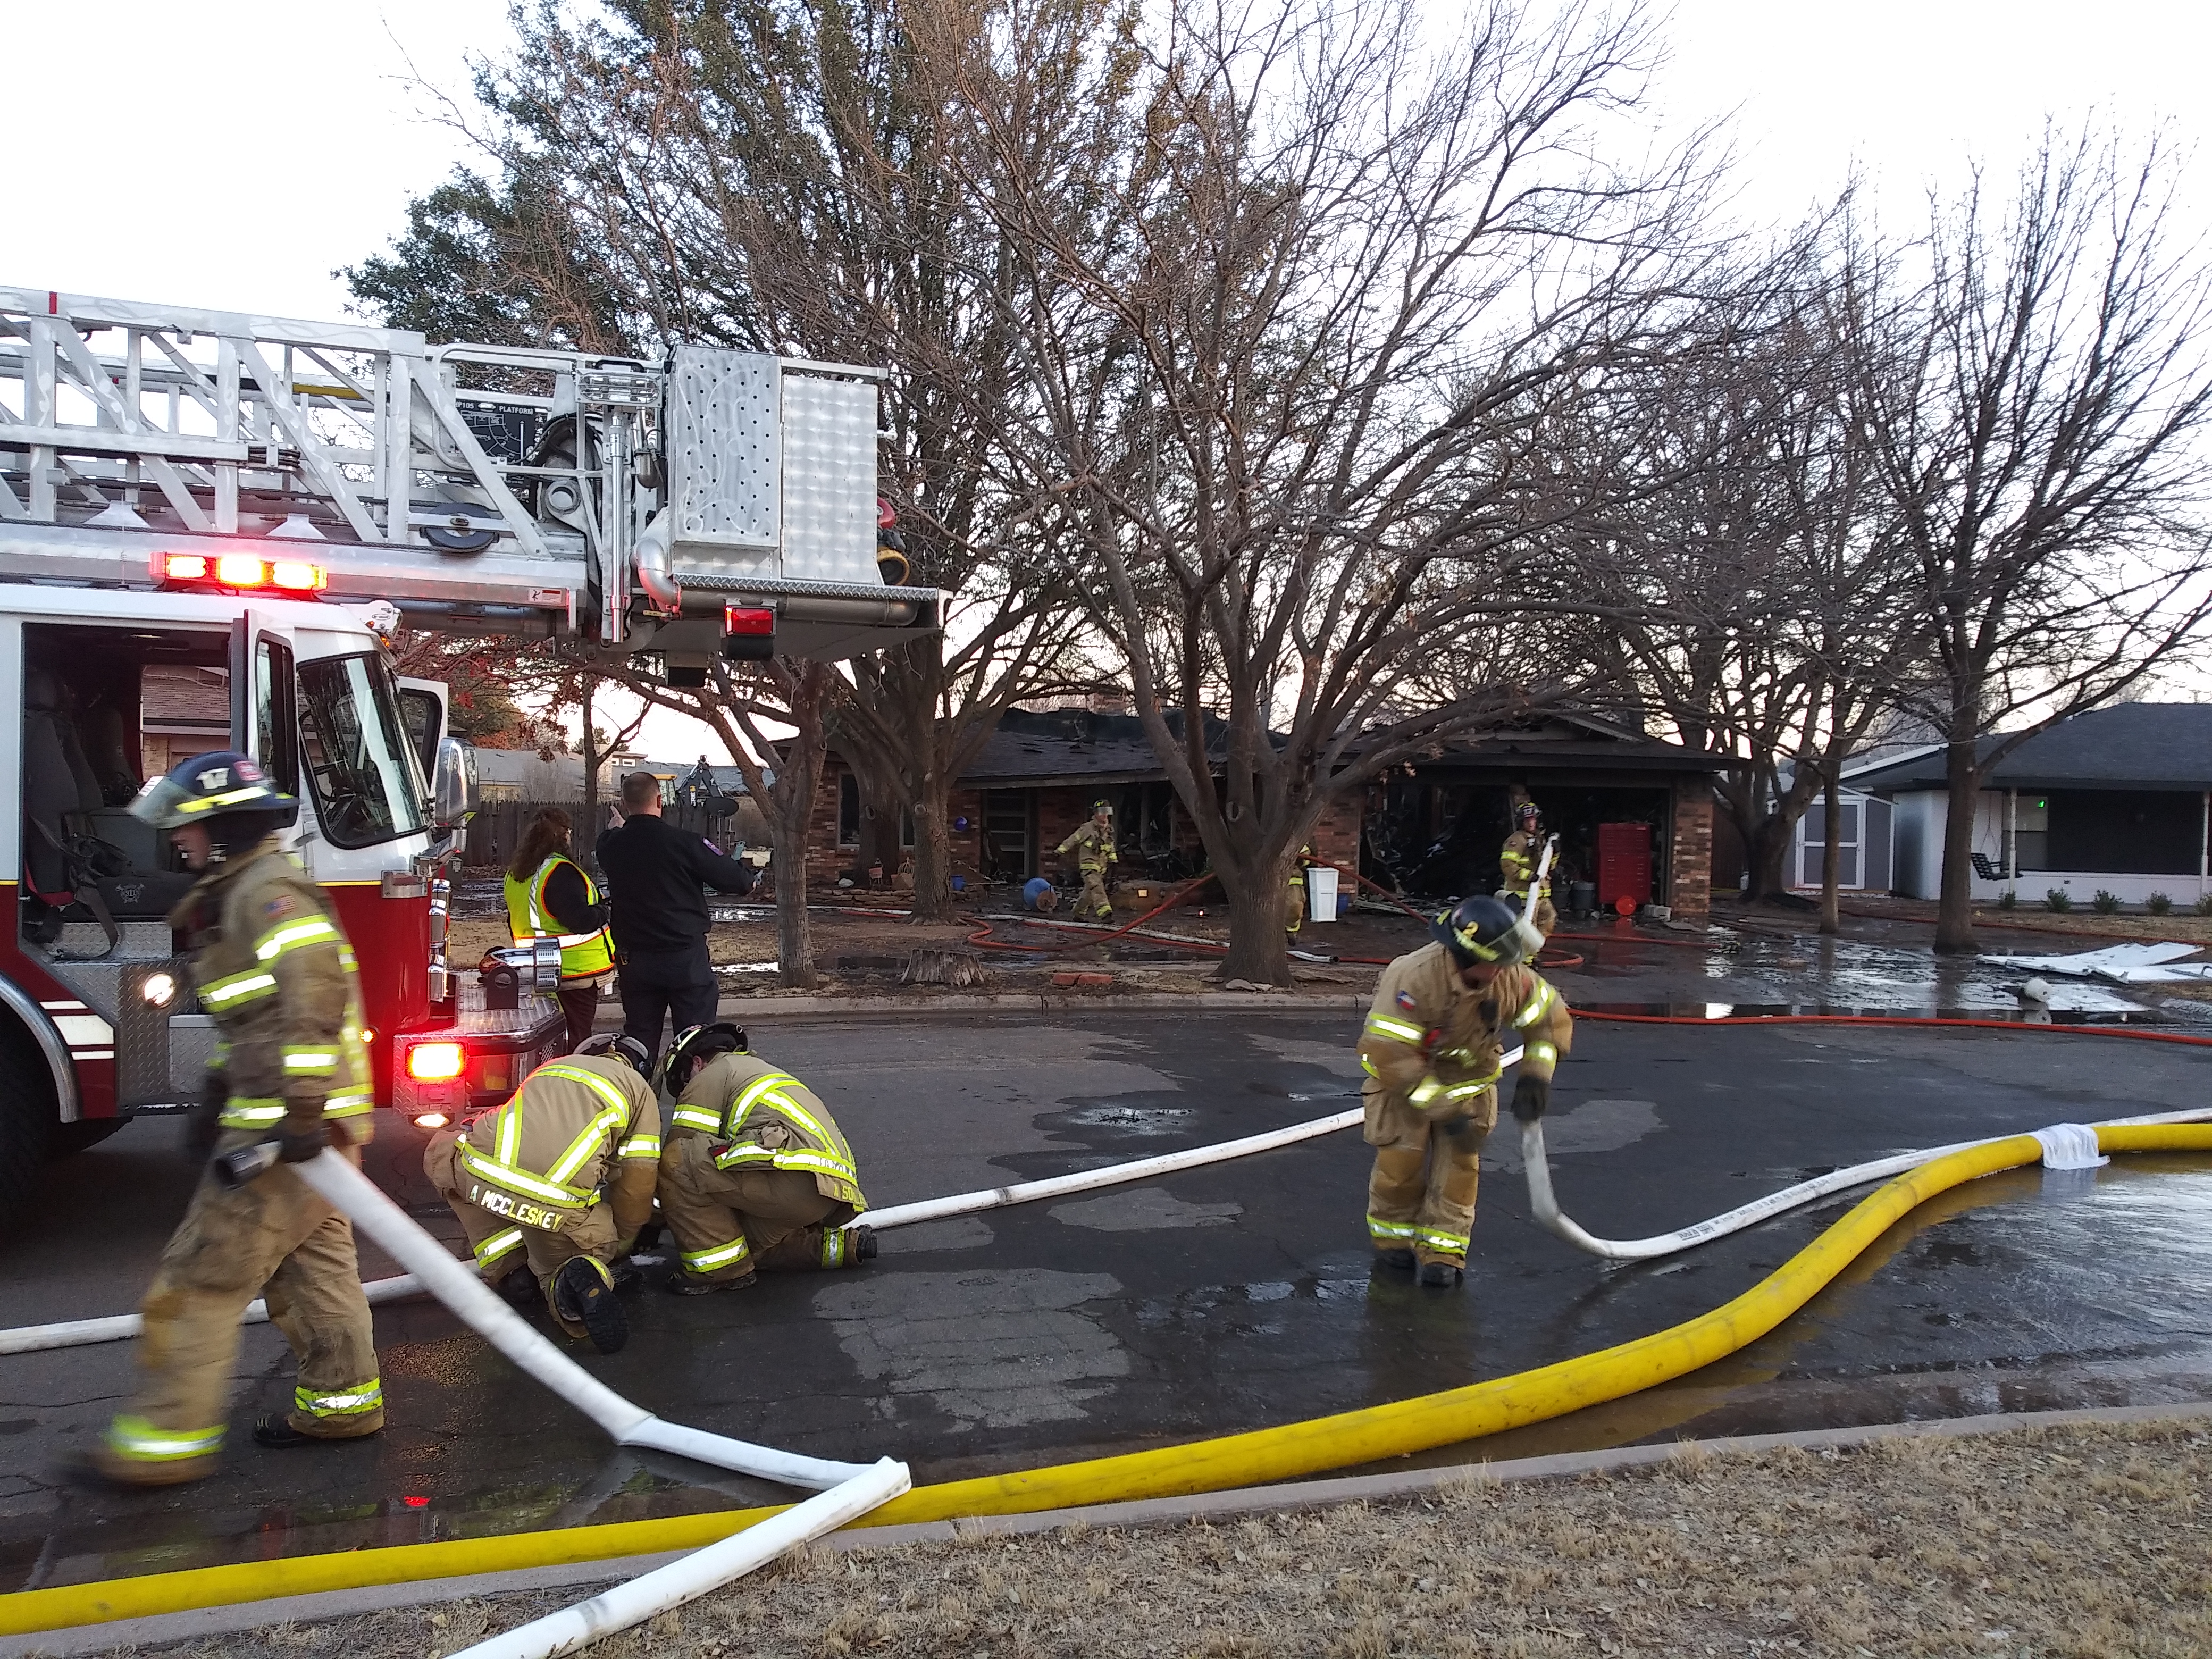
[354,755]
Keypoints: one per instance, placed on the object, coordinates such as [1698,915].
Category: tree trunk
[933,851]
[1831,854]
[1256,929]
[1766,849]
[787,833]
[587,844]
[1954,911]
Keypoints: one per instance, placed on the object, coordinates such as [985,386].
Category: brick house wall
[1335,835]
[1690,860]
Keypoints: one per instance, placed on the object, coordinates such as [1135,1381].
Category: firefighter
[758,1177]
[1517,862]
[1442,1016]
[275,971]
[553,1186]
[1295,912]
[1092,843]
[549,896]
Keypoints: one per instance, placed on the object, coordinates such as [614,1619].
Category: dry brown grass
[2066,1543]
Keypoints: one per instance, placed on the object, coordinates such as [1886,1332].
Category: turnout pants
[1421,1194]
[500,1244]
[677,985]
[1094,905]
[579,1006]
[731,1223]
[276,1237]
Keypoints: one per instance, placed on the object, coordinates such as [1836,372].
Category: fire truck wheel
[27,1116]
[70,1139]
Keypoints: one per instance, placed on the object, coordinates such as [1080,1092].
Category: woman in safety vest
[549,897]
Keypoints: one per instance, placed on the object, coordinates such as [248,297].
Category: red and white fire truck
[209,523]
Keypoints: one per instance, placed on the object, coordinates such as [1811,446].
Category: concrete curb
[763,1009]
[205,1622]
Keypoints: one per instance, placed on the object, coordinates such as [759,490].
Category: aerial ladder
[211,521]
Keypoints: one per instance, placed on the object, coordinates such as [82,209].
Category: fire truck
[210,525]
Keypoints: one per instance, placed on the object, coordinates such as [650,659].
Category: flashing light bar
[243,570]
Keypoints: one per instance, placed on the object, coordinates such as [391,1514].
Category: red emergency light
[748,632]
[235,570]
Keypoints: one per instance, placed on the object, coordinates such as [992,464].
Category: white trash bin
[1321,893]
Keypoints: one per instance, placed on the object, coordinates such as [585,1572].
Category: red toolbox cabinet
[1624,864]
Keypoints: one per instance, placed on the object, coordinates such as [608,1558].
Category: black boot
[1400,1261]
[584,1290]
[1440,1275]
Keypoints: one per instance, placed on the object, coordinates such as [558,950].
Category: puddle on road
[1148,1120]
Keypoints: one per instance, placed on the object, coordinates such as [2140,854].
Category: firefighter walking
[1517,863]
[1294,913]
[758,1177]
[274,970]
[1432,1048]
[554,1185]
[1092,843]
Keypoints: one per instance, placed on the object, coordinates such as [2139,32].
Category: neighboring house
[1432,827]
[2119,800]
[525,774]
[183,712]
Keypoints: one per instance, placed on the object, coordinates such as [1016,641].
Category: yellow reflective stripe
[741,1108]
[229,798]
[1452,1244]
[1367,1065]
[362,1398]
[347,1105]
[313,931]
[1533,1010]
[1399,1030]
[254,1113]
[693,1117]
[794,1157]
[777,1101]
[239,988]
[136,1438]
[1381,1229]
[589,1140]
[1546,1052]
[520,1180]
[592,1080]
[1479,1085]
[300,1059]
[498,1245]
[718,1256]
[833,1248]
[640,1146]
[1425,1091]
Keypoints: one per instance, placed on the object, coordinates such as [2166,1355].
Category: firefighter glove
[1531,1095]
[301,1138]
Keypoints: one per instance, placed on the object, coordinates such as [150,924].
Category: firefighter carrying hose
[1442,1017]
[1092,843]
[552,1186]
[1518,863]
[275,971]
[757,1175]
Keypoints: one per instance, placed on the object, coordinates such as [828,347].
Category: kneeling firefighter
[1431,1048]
[757,1175]
[563,1173]
[290,1077]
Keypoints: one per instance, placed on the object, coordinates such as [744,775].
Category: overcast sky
[235,156]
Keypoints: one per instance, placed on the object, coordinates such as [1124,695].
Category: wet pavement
[1216,1299]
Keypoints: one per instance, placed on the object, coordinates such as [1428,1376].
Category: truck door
[422,715]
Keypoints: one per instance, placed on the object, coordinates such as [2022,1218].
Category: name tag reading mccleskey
[520,1210]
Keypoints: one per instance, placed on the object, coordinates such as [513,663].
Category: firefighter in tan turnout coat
[757,1175]
[556,1183]
[1442,1017]
[291,1069]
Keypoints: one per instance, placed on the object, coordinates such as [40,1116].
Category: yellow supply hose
[1254,1458]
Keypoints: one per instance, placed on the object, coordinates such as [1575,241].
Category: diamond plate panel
[829,480]
[192,1048]
[725,458]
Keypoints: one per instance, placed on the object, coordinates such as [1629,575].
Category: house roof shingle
[2132,746]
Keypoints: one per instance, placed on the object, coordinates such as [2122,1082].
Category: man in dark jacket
[657,876]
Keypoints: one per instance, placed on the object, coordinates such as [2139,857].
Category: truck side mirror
[454,784]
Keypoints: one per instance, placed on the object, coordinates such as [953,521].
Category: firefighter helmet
[622,1046]
[210,787]
[1530,817]
[695,1046]
[1481,929]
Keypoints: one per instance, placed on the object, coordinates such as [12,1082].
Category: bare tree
[2037,414]
[1302,296]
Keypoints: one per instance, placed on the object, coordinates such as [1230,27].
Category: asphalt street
[1217,1299]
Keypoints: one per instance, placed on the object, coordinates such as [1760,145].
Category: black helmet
[1479,929]
[695,1046]
[1528,813]
[623,1045]
[223,789]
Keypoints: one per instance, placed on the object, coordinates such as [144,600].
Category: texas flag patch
[1406,1001]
